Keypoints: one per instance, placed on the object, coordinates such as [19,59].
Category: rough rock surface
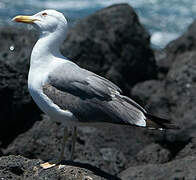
[113,43]
[151,154]
[178,169]
[17,111]
[188,150]
[181,86]
[151,94]
[173,95]
[185,43]
[18,167]
[100,147]
[15,47]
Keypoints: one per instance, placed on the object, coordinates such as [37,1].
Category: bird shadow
[94,169]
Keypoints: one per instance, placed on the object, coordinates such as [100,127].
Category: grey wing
[71,78]
[91,97]
[85,110]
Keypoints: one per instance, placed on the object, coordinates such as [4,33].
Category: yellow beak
[24,19]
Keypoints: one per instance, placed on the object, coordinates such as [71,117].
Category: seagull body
[68,93]
[73,95]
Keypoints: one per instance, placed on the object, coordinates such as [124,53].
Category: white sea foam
[67,5]
[162,38]
[2,5]
[83,4]
[165,20]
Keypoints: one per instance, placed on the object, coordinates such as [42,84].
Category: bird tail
[154,122]
[129,112]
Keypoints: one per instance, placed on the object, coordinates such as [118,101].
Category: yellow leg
[74,136]
[65,137]
[47,165]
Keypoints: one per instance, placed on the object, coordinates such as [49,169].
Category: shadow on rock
[94,169]
[18,167]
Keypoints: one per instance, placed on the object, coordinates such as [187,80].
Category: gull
[72,95]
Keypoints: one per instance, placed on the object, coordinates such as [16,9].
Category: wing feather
[91,97]
[71,78]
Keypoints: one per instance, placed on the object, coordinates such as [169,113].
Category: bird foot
[47,165]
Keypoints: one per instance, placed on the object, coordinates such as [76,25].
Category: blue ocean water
[164,19]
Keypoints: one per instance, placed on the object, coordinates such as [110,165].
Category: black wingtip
[160,123]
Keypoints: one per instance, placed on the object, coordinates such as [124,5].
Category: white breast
[37,78]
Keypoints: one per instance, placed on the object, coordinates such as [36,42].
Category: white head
[45,22]
[52,26]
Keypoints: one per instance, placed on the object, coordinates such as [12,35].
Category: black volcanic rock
[178,87]
[18,167]
[1,152]
[174,98]
[178,169]
[113,43]
[183,44]
[189,149]
[41,141]
[181,87]
[17,110]
[108,148]
[151,94]
[15,47]
[151,154]
[174,95]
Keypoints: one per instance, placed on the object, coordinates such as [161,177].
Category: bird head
[46,21]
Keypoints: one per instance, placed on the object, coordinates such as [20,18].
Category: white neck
[47,47]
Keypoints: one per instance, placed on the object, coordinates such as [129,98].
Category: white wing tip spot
[142,122]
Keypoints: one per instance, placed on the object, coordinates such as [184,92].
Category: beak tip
[13,19]
[16,19]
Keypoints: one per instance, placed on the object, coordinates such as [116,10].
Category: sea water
[164,19]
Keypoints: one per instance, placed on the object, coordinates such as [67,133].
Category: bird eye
[44,14]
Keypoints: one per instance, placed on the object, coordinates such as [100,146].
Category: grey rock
[185,43]
[173,98]
[41,141]
[1,152]
[152,154]
[174,95]
[15,47]
[17,110]
[108,148]
[18,167]
[151,94]
[188,150]
[180,88]
[178,169]
[113,43]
